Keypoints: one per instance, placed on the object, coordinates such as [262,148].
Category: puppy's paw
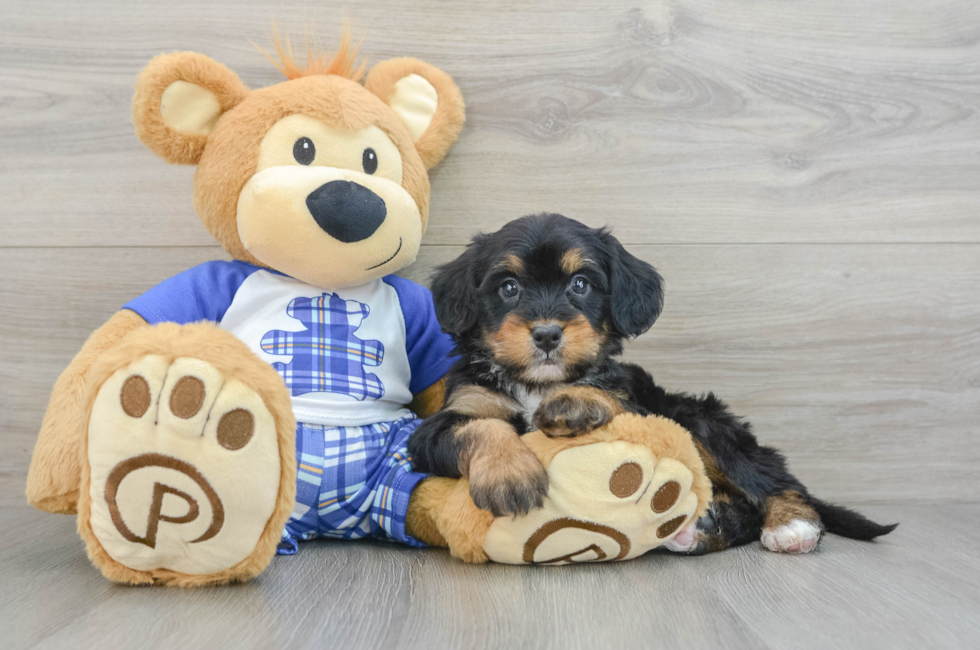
[574,411]
[791,525]
[509,481]
[798,536]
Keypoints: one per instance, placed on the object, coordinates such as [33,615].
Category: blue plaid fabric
[353,482]
[327,357]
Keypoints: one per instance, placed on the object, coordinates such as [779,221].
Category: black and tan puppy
[539,311]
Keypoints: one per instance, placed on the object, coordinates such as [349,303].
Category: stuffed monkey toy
[242,406]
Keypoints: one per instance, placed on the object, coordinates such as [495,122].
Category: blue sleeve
[429,348]
[202,293]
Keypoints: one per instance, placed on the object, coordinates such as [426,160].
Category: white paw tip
[798,536]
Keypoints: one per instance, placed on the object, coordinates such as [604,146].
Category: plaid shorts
[352,482]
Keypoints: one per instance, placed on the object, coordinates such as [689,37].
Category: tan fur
[721,497]
[340,63]
[492,452]
[445,504]
[513,263]
[784,508]
[156,77]
[720,481]
[430,400]
[581,341]
[571,260]
[56,466]
[424,505]
[512,343]
[567,403]
[496,463]
[478,402]
[450,112]
[233,359]
[465,526]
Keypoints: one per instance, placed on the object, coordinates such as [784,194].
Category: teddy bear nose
[346,211]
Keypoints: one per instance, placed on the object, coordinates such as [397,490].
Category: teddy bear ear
[425,99]
[179,98]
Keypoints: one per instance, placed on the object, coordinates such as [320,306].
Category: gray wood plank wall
[805,175]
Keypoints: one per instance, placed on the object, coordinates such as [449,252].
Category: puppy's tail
[848,523]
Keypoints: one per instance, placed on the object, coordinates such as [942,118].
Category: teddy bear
[243,406]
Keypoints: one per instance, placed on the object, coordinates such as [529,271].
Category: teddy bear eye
[303,151]
[369,161]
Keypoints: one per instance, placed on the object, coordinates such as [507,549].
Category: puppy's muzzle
[546,337]
[346,211]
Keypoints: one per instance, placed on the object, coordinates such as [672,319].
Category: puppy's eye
[369,161]
[509,289]
[580,285]
[303,151]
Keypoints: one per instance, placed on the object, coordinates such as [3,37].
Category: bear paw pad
[606,501]
[184,467]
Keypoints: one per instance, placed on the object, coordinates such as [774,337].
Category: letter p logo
[160,490]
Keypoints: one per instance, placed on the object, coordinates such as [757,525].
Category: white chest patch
[529,400]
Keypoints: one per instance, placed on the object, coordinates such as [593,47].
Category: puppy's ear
[179,98]
[425,99]
[454,292]
[637,290]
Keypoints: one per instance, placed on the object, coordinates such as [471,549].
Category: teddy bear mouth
[397,250]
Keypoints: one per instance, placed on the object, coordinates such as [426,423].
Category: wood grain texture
[805,175]
[678,121]
[861,362]
[904,591]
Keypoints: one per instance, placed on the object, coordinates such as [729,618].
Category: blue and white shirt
[349,357]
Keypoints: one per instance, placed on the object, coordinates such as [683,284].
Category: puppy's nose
[346,211]
[546,337]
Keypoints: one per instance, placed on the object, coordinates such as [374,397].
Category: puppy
[539,311]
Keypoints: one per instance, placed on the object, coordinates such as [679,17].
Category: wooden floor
[919,588]
[805,175]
